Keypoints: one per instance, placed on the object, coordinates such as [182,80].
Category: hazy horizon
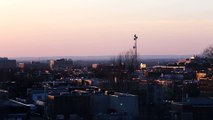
[105,58]
[38,28]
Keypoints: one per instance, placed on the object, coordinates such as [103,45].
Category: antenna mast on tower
[136,49]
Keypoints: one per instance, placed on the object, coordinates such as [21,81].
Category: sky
[36,28]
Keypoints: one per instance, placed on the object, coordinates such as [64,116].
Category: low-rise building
[11,109]
[90,103]
[6,63]
[62,64]
[192,109]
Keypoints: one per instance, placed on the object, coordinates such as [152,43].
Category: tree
[208,52]
[122,72]
[125,60]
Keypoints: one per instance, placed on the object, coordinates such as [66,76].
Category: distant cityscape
[119,88]
[106,60]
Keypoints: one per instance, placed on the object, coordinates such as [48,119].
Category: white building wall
[99,104]
[125,104]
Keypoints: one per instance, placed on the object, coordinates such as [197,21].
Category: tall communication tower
[136,49]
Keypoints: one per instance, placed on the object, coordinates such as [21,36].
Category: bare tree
[124,67]
[208,52]
[125,60]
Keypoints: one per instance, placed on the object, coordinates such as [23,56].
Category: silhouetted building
[193,109]
[206,87]
[67,106]
[62,64]
[5,63]
[12,110]
[92,103]
[36,65]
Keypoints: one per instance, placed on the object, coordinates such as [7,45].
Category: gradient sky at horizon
[35,28]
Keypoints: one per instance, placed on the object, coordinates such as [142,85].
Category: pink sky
[104,27]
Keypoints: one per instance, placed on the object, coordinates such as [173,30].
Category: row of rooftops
[77,91]
[5,101]
[201,101]
[88,91]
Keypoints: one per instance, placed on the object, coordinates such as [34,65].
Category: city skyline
[99,28]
